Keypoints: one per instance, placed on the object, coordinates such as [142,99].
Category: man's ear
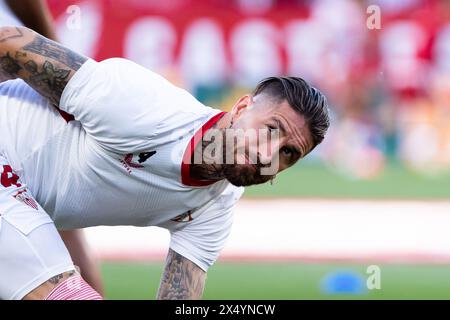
[241,105]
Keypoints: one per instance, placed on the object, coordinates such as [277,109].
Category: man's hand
[42,63]
[181,280]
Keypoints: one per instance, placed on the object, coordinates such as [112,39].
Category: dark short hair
[305,99]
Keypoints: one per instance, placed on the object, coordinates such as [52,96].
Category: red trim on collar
[185,163]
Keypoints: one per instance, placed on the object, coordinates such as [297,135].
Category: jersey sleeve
[121,104]
[202,239]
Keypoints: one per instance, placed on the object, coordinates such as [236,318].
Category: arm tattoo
[9,65]
[9,33]
[51,78]
[51,49]
[181,280]
[44,64]
[57,279]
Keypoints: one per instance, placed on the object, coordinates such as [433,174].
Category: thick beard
[237,174]
[242,175]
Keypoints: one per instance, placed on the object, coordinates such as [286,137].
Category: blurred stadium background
[377,192]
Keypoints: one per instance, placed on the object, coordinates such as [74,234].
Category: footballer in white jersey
[86,143]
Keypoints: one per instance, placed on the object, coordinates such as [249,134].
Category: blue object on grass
[344,282]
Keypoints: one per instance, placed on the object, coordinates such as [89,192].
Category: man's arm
[181,280]
[42,63]
[82,257]
[35,15]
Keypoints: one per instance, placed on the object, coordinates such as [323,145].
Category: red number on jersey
[8,177]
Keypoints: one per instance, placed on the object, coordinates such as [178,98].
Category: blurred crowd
[391,100]
[384,65]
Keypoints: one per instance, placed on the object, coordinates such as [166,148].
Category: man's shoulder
[136,78]
[124,68]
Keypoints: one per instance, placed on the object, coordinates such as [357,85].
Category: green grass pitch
[281,281]
[303,281]
[396,182]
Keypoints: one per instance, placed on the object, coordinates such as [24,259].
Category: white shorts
[31,250]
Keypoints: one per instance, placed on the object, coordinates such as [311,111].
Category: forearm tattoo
[51,49]
[50,78]
[181,279]
[44,64]
[8,33]
[9,65]
[57,279]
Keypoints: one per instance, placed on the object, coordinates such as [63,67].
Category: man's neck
[223,122]
[207,171]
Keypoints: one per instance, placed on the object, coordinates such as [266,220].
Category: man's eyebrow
[283,129]
[280,125]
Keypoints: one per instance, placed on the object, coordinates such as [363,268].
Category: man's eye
[286,151]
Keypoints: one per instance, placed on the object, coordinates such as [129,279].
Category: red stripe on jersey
[185,164]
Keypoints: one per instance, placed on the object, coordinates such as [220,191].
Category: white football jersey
[113,155]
